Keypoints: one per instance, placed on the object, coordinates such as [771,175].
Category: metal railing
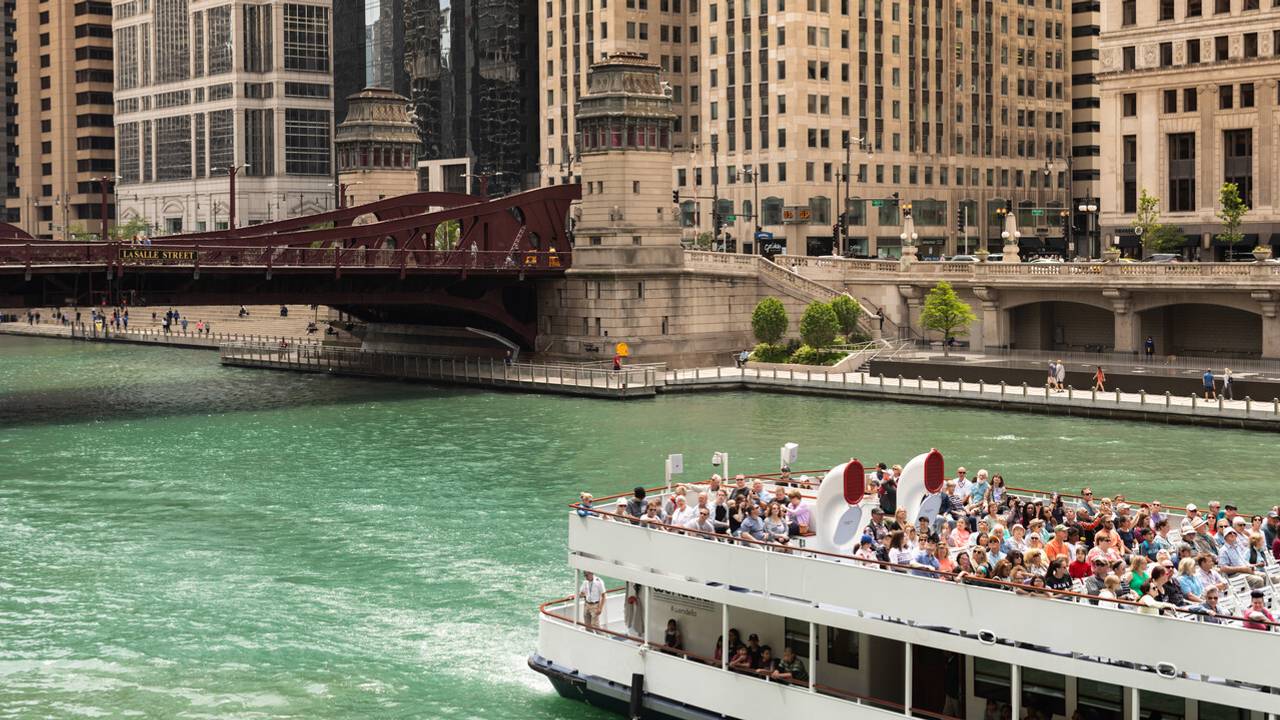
[90,331]
[488,371]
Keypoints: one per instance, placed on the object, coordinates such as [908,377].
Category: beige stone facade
[64,121]
[206,85]
[377,147]
[1189,101]
[958,103]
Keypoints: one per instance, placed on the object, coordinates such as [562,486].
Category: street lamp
[342,191]
[231,172]
[754,175]
[842,240]
[102,185]
[1090,210]
[484,179]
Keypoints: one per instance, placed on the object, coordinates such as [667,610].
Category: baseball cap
[877,510]
[1060,528]
[1191,507]
[1186,527]
[1199,523]
[1274,515]
[1230,531]
[1099,560]
[1238,520]
[866,540]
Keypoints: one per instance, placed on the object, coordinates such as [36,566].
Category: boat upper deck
[965,594]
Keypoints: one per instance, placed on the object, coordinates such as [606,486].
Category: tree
[1232,211]
[945,312]
[847,313]
[125,232]
[769,320]
[447,234]
[1154,235]
[819,325]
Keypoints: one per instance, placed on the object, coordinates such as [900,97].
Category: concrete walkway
[1245,413]
[150,336]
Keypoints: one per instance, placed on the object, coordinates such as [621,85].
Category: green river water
[183,540]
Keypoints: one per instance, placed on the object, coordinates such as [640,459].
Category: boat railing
[959,577]
[549,609]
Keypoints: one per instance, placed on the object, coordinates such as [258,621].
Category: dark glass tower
[368,48]
[474,83]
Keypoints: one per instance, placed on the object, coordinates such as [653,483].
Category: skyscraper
[368,48]
[63,126]
[203,89]
[474,85]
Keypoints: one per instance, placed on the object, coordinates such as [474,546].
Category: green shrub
[769,320]
[766,352]
[806,355]
[818,325]
[847,313]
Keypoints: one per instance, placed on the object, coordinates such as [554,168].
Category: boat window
[1104,700]
[1213,711]
[797,636]
[1158,706]
[991,681]
[842,647]
[1045,692]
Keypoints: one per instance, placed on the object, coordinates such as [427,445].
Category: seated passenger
[682,514]
[741,660]
[775,525]
[702,523]
[790,667]
[636,504]
[1057,577]
[767,662]
[1257,615]
[673,638]
[752,526]
[1079,567]
[799,517]
[866,549]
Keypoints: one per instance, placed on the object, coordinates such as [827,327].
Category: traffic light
[675,197]
[1064,221]
[717,223]
[835,230]
[960,220]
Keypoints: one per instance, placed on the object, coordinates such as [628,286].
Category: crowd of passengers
[1106,547]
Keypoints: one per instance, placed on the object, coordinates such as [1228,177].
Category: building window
[126,51]
[172,41]
[1166,9]
[1128,58]
[1224,97]
[1129,12]
[1190,100]
[1222,7]
[1238,165]
[219,22]
[1221,48]
[1246,95]
[173,148]
[1193,8]
[1171,101]
[258,34]
[1251,45]
[260,142]
[1129,104]
[1182,172]
[221,139]
[306,141]
[306,38]
[1129,150]
[127,145]
[1193,52]
[1166,54]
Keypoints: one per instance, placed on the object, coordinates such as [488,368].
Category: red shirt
[1256,625]
[1079,569]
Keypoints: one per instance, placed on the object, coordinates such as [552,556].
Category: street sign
[730,218]
[877,203]
[1037,212]
[762,235]
[622,349]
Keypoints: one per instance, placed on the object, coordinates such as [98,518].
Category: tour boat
[875,641]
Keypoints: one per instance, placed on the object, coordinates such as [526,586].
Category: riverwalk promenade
[148,336]
[640,381]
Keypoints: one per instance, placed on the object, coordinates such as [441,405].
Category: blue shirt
[925,558]
[1190,585]
[1232,556]
[1208,379]
[754,527]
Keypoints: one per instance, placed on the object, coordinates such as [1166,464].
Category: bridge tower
[624,127]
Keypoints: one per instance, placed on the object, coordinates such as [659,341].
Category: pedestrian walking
[1209,393]
[1052,379]
[1099,380]
[1228,391]
[617,362]
[1150,347]
[1060,375]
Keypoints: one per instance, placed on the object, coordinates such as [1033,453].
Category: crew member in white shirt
[592,594]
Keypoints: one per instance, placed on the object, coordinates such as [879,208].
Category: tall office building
[964,109]
[62,130]
[368,49]
[9,86]
[1189,102]
[1086,124]
[473,76]
[202,88]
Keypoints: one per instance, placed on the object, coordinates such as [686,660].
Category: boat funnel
[838,513]
[922,481]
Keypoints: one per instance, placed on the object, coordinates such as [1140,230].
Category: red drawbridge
[455,257]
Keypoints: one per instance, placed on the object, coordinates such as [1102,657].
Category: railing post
[1168,399]
[1219,402]
[1070,393]
[1002,389]
[1024,389]
[881,381]
[1193,402]
[1248,404]
[1142,397]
